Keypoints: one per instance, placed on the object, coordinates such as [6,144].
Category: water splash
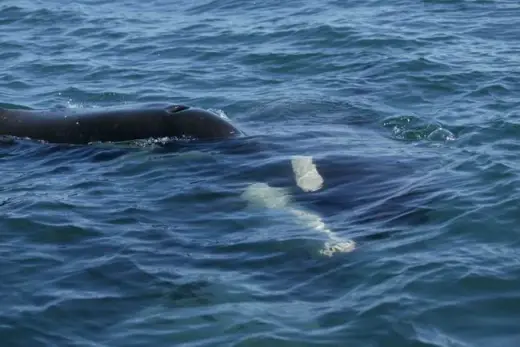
[410,128]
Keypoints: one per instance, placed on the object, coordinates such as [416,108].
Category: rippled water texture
[404,115]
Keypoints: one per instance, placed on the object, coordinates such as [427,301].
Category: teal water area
[409,110]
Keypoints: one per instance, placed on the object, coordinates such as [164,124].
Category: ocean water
[404,116]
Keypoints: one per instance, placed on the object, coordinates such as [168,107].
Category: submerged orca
[180,121]
[86,126]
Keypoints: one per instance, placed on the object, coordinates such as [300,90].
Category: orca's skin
[87,126]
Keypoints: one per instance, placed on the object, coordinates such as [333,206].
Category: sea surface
[405,114]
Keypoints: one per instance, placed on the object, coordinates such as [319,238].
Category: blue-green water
[409,108]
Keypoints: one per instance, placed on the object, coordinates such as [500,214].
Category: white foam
[220,113]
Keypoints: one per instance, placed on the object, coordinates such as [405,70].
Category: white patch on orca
[306,174]
[264,196]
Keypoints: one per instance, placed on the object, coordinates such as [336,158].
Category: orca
[115,125]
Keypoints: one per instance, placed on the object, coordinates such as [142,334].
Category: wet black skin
[66,126]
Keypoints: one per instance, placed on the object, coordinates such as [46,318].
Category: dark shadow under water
[387,191]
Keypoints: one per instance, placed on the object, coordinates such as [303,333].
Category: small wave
[411,128]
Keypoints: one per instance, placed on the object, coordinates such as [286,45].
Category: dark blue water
[407,110]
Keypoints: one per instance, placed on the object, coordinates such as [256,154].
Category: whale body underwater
[172,121]
[115,125]
[181,121]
